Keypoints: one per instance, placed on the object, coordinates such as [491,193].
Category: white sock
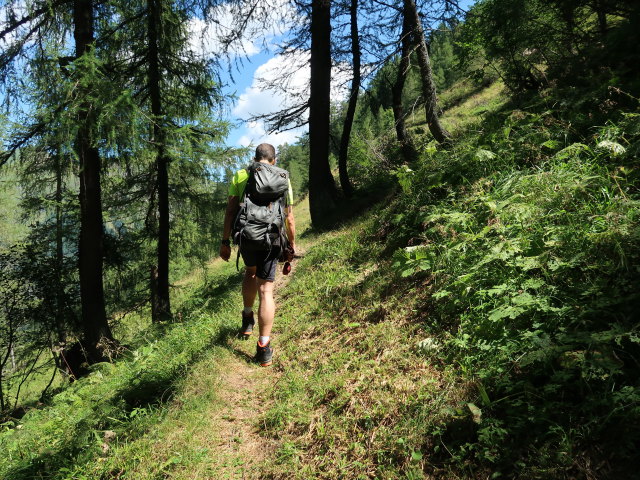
[247,310]
[263,340]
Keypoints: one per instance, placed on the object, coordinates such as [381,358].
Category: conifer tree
[428,86]
[90,249]
[322,188]
[345,182]
[161,307]
[396,92]
[177,100]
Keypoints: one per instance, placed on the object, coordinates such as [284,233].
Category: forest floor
[349,396]
[367,380]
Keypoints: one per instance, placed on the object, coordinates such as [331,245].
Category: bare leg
[249,287]
[267,309]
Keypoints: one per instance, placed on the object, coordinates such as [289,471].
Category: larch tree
[35,29]
[161,307]
[178,125]
[414,23]
[90,250]
[322,188]
[397,88]
[345,182]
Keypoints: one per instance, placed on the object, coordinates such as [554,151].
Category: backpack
[259,224]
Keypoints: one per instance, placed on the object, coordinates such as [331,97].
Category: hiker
[260,216]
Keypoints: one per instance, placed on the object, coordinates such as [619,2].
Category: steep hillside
[479,321]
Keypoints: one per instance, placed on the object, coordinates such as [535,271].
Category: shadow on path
[79,445]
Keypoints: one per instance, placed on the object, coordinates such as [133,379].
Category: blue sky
[254,59]
[259,62]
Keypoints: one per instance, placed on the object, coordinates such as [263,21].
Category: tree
[176,98]
[396,90]
[531,43]
[161,307]
[347,188]
[322,188]
[410,12]
[62,121]
[90,250]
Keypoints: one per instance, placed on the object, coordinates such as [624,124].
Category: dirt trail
[238,423]
[243,392]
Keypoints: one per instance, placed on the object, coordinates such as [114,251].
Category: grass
[143,414]
[50,440]
[453,331]
[465,104]
[350,400]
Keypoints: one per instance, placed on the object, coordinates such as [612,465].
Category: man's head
[265,152]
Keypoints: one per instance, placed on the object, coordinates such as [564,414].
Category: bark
[408,150]
[601,13]
[59,314]
[345,182]
[161,295]
[153,286]
[90,250]
[322,188]
[428,85]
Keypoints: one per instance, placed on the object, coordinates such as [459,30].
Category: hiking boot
[247,325]
[264,354]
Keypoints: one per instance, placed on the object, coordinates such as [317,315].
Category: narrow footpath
[243,399]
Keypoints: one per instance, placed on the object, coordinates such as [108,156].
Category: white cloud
[288,78]
[282,82]
[256,134]
[268,20]
[275,85]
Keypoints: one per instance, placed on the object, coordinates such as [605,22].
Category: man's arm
[233,204]
[291,227]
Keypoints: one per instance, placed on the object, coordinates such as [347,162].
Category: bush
[530,246]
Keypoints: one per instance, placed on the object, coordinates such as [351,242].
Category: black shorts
[265,262]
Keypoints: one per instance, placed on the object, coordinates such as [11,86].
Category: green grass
[481,323]
[48,440]
[350,403]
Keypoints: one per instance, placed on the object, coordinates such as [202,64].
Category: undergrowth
[528,237]
[485,324]
[125,398]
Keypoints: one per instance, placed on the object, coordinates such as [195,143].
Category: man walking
[260,262]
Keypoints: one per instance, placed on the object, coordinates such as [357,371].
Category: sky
[254,58]
[260,62]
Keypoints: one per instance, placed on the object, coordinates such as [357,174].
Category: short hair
[265,151]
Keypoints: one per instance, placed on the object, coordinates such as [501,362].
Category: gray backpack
[259,225]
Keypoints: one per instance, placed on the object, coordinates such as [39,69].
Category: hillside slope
[479,322]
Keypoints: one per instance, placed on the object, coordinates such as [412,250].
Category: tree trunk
[153,286]
[9,339]
[162,163]
[59,315]
[90,249]
[408,150]
[428,86]
[322,187]
[601,13]
[347,188]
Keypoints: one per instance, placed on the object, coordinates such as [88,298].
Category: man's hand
[290,252]
[225,252]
